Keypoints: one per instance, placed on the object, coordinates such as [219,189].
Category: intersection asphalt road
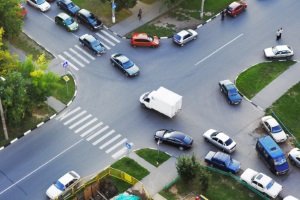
[91,133]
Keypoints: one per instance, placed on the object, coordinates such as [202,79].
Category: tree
[11,19]
[203,177]
[187,167]
[169,3]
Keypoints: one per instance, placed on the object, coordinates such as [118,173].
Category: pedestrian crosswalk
[78,57]
[96,132]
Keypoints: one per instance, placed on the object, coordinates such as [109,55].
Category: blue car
[230,91]
[68,6]
[222,161]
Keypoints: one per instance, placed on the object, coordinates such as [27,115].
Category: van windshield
[279,160]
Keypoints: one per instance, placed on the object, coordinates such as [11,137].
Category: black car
[89,19]
[175,138]
[68,6]
[92,43]
[124,64]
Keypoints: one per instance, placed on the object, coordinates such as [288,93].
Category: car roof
[262,179]
[222,136]
[64,16]
[271,147]
[140,36]
[85,12]
[234,4]
[183,33]
[66,178]
[90,38]
[282,47]
[226,82]
[222,156]
[272,122]
[122,58]
[66,1]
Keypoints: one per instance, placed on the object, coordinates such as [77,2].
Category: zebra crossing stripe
[103,38]
[116,145]
[74,59]
[119,153]
[67,113]
[80,56]
[84,52]
[97,133]
[112,37]
[85,125]
[70,64]
[91,129]
[103,137]
[75,117]
[77,123]
[110,141]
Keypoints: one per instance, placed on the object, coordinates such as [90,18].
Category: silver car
[294,156]
[221,140]
[280,51]
[185,36]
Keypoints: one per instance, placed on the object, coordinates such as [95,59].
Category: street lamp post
[202,9]
[2,116]
[113,7]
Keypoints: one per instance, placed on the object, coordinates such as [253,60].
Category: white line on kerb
[3,191]
[219,49]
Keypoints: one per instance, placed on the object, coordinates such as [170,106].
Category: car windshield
[71,5]
[279,160]
[270,184]
[128,64]
[232,91]
[150,39]
[177,37]
[69,21]
[39,2]
[59,186]
[274,49]
[92,18]
[276,129]
[95,43]
[228,142]
[187,140]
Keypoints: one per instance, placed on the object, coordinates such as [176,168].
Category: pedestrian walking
[140,14]
[278,34]
[222,14]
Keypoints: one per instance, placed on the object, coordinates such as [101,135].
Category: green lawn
[103,10]
[220,187]
[153,156]
[65,92]
[254,79]
[155,30]
[287,108]
[148,1]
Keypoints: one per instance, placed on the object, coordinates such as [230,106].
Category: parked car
[184,36]
[230,91]
[63,183]
[23,10]
[144,40]
[220,140]
[89,19]
[92,44]
[294,156]
[236,8]
[290,197]
[124,64]
[42,5]
[223,161]
[279,51]
[176,138]
[66,21]
[261,182]
[273,128]
[68,6]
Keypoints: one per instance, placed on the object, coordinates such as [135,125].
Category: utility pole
[113,7]
[2,116]
[202,9]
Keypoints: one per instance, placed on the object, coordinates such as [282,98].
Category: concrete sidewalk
[149,12]
[267,96]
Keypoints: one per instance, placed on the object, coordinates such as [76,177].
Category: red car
[144,40]
[236,8]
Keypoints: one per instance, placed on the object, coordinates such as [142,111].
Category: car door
[221,144]
[119,65]
[215,141]
[188,38]
[59,21]
[267,126]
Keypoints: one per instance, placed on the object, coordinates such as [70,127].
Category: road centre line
[219,49]
[75,117]
[20,180]
[84,52]
[48,17]
[112,37]
[103,38]
[67,113]
[80,56]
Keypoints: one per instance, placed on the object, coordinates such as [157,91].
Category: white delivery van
[163,101]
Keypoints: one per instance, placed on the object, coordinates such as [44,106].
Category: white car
[274,129]
[185,36]
[294,156]
[280,51]
[64,182]
[220,140]
[261,182]
[42,5]
[290,197]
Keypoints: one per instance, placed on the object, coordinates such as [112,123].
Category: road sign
[114,5]
[65,64]
[128,146]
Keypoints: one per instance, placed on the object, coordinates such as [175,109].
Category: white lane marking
[48,17]
[70,64]
[77,123]
[67,113]
[112,37]
[74,59]
[91,129]
[85,125]
[75,117]
[80,56]
[38,168]
[84,52]
[103,137]
[219,49]
[103,38]
[97,133]
[110,141]
[116,145]
[121,152]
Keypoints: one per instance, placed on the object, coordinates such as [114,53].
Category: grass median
[254,79]
[154,157]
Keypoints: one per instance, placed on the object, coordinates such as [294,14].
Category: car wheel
[221,89]
[206,139]
[181,45]
[181,148]
[229,101]
[113,64]
[56,22]
[78,20]
[195,37]
[292,161]
[126,74]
